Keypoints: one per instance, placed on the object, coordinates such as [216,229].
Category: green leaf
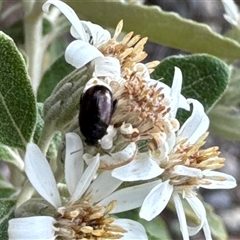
[224,123]
[56,140]
[166,28]
[227,110]
[58,70]
[204,77]
[17,101]
[230,97]
[234,34]
[16,32]
[47,26]
[7,193]
[156,229]
[217,227]
[10,155]
[6,213]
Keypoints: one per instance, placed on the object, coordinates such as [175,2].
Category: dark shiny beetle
[96,109]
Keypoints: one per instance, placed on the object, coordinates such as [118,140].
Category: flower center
[142,105]
[85,221]
[186,163]
[129,51]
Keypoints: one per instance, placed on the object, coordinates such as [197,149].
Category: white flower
[90,36]
[94,44]
[186,169]
[97,196]
[232,12]
[144,166]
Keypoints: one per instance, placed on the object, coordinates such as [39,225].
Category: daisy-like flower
[94,44]
[85,214]
[145,106]
[187,168]
[146,111]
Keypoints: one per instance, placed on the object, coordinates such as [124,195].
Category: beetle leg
[114,105]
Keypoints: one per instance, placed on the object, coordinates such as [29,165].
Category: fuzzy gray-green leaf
[7,193]
[6,213]
[17,101]
[11,155]
[216,224]
[225,123]
[156,229]
[58,70]
[53,147]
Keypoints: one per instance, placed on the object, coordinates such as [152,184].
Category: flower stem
[45,138]
[33,41]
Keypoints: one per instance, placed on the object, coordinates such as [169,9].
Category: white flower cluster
[173,165]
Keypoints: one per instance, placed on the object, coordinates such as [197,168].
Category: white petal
[200,211]
[107,140]
[175,91]
[98,35]
[183,103]
[162,153]
[107,67]
[207,231]
[134,229]
[32,228]
[170,142]
[196,125]
[141,71]
[78,53]
[187,171]
[129,198]
[231,20]
[141,168]
[95,81]
[70,15]
[156,201]
[178,100]
[181,216]
[74,162]
[231,9]
[40,175]
[218,180]
[103,186]
[116,159]
[85,180]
